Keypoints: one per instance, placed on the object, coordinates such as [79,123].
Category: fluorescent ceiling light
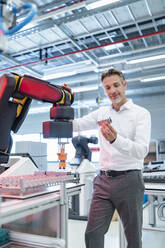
[134,61]
[59,12]
[82,89]
[78,55]
[152,79]
[100,3]
[39,110]
[113,46]
[59,75]
[67,67]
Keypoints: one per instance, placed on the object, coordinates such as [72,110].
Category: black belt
[113,173]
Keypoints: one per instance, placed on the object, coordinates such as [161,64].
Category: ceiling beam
[73,41]
[15,62]
[51,24]
[87,13]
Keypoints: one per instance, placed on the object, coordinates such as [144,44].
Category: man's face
[115,89]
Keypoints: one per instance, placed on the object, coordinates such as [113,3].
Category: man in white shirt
[124,135]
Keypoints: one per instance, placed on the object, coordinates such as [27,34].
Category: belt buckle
[108,173]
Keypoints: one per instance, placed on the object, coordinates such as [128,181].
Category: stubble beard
[118,100]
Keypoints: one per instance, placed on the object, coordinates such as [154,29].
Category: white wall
[156,106]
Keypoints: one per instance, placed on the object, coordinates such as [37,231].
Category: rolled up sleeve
[86,123]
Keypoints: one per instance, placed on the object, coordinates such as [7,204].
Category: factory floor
[152,237]
[76,230]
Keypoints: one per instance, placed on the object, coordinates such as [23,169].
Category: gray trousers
[124,193]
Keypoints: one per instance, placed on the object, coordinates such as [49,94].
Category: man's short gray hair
[112,71]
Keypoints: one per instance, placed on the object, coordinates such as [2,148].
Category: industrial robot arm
[16,94]
[81,145]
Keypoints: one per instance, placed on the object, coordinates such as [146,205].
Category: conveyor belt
[154,176]
[154,180]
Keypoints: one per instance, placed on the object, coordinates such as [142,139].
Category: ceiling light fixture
[152,79]
[134,61]
[59,75]
[82,89]
[59,12]
[39,110]
[113,46]
[100,3]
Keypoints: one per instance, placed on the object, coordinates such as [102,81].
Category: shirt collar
[126,105]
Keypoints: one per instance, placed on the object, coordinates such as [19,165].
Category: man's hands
[66,87]
[108,131]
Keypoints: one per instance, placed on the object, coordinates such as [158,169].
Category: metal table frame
[16,209]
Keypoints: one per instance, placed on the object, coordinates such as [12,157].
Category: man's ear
[125,84]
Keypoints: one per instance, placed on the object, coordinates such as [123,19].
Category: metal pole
[63,213]
[151,210]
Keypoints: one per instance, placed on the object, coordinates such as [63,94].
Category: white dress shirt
[133,126]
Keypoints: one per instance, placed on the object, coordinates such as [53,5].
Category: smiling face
[115,89]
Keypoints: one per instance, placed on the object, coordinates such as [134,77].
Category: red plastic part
[40,90]
[46,129]
[3,85]
[53,112]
